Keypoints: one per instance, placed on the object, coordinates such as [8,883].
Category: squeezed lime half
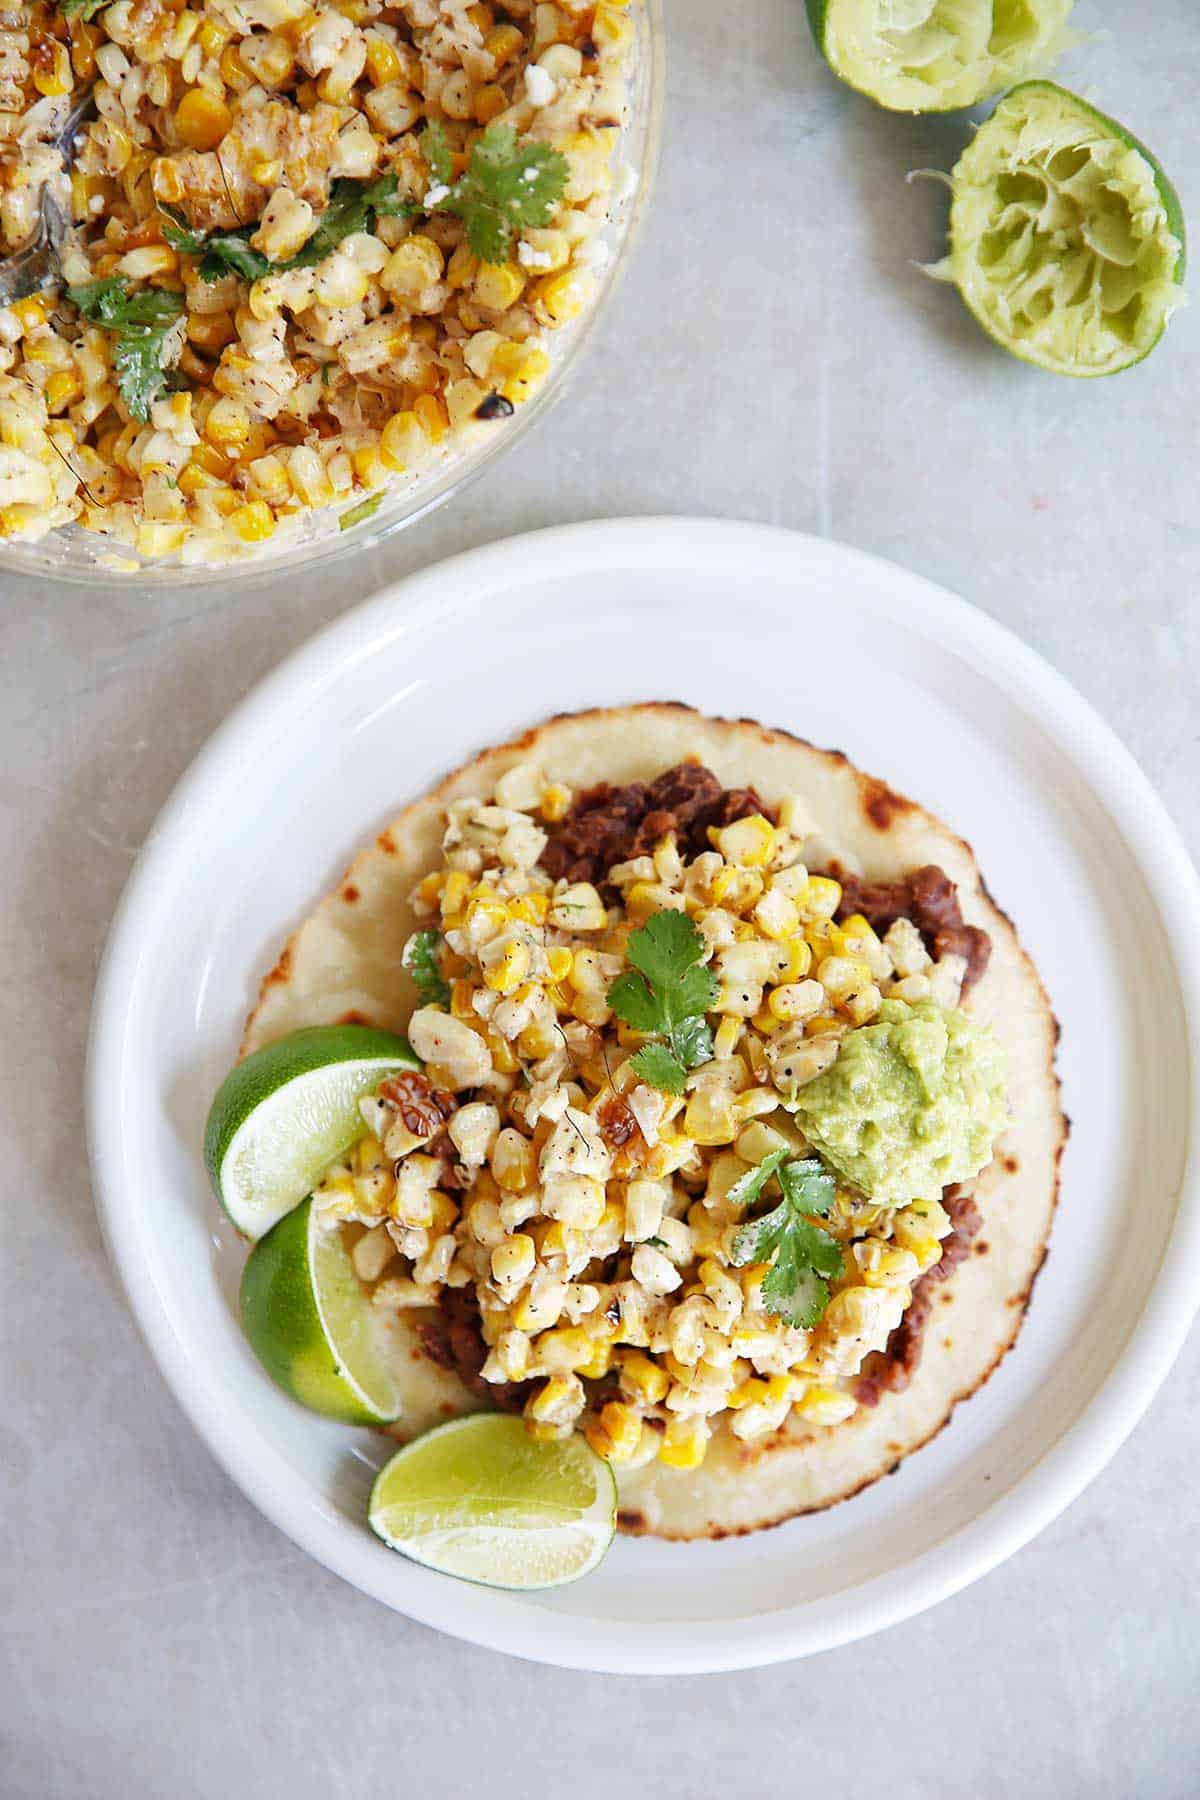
[481,1499]
[936,55]
[308,1319]
[1066,239]
[282,1116]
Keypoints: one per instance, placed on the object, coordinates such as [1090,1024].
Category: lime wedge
[482,1499]
[309,1321]
[936,55]
[282,1116]
[1066,238]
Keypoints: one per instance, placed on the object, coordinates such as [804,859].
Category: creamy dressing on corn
[316,386]
[593,1225]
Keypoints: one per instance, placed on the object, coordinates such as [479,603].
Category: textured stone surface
[773,355]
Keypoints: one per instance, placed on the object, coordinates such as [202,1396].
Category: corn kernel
[825,1406]
[498,286]
[684,1443]
[402,441]
[616,1433]
[252,522]
[503,43]
[821,897]
[559,961]
[201,119]
[557,299]
[514,1259]
[507,973]
[431,416]
[383,62]
[642,1377]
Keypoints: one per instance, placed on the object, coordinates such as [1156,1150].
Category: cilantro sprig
[420,958]
[506,186]
[221,252]
[803,1256]
[139,324]
[666,995]
[353,206]
[81,9]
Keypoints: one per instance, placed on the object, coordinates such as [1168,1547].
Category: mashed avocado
[913,1103]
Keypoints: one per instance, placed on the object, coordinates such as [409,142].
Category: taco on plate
[735,1141]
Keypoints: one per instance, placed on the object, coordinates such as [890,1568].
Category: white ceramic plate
[850,652]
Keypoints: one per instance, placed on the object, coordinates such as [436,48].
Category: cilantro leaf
[437,153]
[634,1001]
[353,206]
[747,1189]
[660,1067]
[665,947]
[81,9]
[139,323]
[222,252]
[505,187]
[666,995]
[692,1042]
[805,1257]
[809,1186]
[421,960]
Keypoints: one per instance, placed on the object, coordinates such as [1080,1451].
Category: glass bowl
[74,554]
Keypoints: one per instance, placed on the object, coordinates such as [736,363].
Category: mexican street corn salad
[686,1131]
[313,249]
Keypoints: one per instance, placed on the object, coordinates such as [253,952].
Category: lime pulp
[1066,238]
[481,1499]
[284,1114]
[936,55]
[308,1319]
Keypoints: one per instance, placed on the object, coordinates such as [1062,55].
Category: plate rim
[1099,1428]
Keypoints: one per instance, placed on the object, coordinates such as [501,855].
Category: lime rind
[289,1110]
[923,56]
[481,1499]
[1066,239]
[308,1320]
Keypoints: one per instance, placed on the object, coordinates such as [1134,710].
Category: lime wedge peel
[1066,239]
[282,1116]
[308,1319]
[481,1499]
[937,55]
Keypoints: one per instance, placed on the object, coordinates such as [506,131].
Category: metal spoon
[37,266]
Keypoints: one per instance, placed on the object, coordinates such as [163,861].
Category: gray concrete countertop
[772,355]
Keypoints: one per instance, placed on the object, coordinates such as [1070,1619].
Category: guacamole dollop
[914,1102]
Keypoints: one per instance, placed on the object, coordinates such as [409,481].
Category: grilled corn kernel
[559,1403]
[512,1162]
[227,424]
[63,389]
[503,43]
[431,416]
[710,1118]
[749,843]
[514,1259]
[616,1433]
[684,1443]
[498,286]
[383,61]
[641,1377]
[559,961]
[490,100]
[201,118]
[402,441]
[821,897]
[557,299]
[507,973]
[412,267]
[252,522]
[825,1406]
